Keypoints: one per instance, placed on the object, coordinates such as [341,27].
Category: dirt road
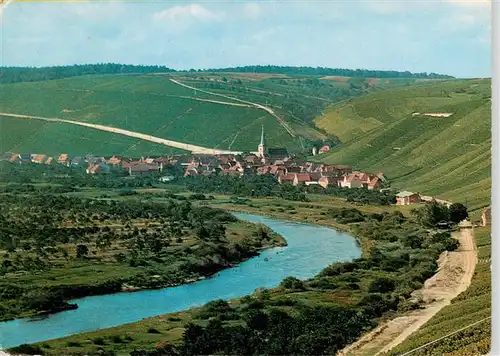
[258,106]
[162,141]
[452,278]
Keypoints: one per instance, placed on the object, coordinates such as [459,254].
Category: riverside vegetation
[54,248]
[315,316]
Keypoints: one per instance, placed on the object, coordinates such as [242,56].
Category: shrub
[292,283]
[99,341]
[153,331]
[382,285]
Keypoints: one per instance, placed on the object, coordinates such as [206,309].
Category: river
[310,249]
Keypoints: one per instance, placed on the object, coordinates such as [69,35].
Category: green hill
[447,157]
[146,104]
[150,103]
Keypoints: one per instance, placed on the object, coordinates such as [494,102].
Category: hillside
[146,104]
[223,114]
[446,156]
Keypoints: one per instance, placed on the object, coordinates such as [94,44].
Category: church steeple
[260,148]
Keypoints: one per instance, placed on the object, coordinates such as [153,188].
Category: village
[276,162]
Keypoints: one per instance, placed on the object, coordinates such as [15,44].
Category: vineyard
[448,157]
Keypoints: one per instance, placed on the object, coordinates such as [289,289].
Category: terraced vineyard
[146,104]
[446,156]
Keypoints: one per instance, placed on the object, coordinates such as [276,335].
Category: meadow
[447,157]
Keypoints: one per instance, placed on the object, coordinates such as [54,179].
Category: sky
[443,36]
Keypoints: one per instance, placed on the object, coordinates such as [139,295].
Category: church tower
[260,148]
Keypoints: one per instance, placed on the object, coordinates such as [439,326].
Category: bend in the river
[310,249]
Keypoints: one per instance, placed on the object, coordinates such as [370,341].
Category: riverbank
[69,247]
[356,286]
[269,269]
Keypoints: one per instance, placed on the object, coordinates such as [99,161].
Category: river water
[310,249]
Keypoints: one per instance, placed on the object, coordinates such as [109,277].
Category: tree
[458,212]
[82,251]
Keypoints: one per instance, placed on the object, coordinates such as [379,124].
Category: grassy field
[447,157]
[469,307]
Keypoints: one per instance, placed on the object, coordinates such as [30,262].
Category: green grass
[33,136]
[444,157]
[147,104]
[472,305]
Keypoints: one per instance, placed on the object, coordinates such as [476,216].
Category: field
[471,306]
[388,131]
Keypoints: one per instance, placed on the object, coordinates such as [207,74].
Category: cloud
[187,13]
[251,10]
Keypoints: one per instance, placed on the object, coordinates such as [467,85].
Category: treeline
[329,71]
[33,74]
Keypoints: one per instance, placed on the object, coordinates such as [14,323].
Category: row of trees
[303,70]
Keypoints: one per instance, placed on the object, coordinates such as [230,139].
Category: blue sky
[444,36]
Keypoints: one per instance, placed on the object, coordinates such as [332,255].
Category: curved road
[453,277]
[258,106]
[184,146]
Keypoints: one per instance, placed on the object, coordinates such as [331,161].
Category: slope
[446,156]
[146,104]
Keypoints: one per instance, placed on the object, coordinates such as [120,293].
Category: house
[351,181]
[114,161]
[486,216]
[301,178]
[63,159]
[139,168]
[406,198]
[15,158]
[49,160]
[375,183]
[315,177]
[286,178]
[39,158]
[330,181]
[324,149]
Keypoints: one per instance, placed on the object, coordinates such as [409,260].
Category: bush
[99,341]
[26,349]
[382,285]
[153,331]
[292,283]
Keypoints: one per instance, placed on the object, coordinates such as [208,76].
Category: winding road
[258,106]
[184,146]
[453,277]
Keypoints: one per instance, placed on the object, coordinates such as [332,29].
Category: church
[272,154]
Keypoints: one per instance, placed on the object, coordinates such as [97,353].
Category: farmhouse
[407,198]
